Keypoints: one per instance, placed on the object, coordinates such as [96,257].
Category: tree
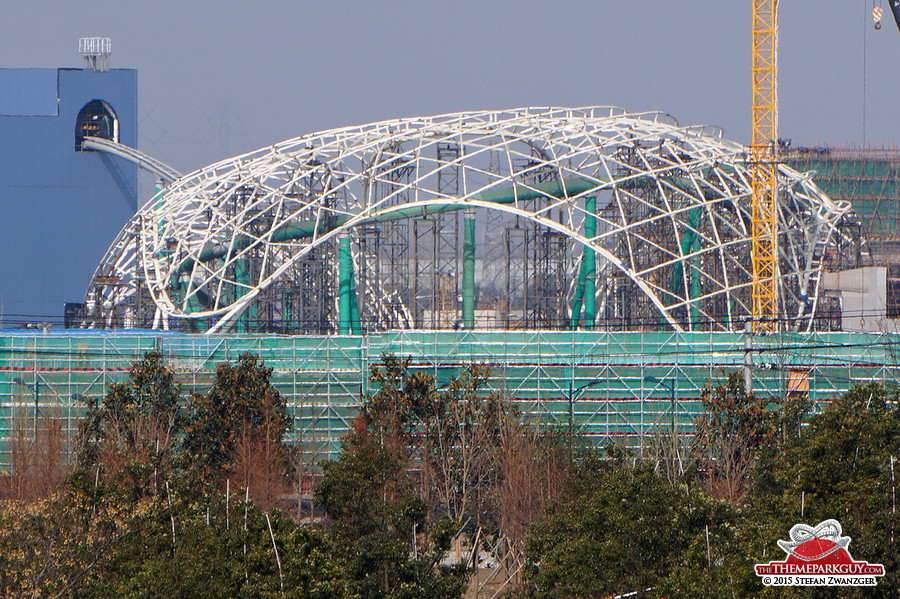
[532,467]
[462,433]
[471,456]
[448,436]
[205,549]
[843,465]
[132,520]
[236,430]
[39,464]
[49,548]
[383,544]
[619,529]
[478,461]
[133,435]
[394,414]
[733,425]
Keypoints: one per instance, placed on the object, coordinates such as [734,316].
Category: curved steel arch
[244,242]
[239,306]
[164,172]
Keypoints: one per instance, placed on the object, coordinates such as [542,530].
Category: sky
[218,79]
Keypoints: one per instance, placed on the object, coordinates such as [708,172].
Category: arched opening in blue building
[96,119]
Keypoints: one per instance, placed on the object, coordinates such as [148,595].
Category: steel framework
[607,219]
[618,387]
[869,179]
[764,182]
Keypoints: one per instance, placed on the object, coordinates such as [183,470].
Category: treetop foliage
[182,496]
[620,528]
[241,404]
[134,433]
[727,434]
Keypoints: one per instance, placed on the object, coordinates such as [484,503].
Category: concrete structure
[61,207]
[867,297]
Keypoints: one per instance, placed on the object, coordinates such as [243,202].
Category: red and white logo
[818,557]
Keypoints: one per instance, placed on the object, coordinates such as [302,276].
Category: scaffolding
[436,251]
[869,179]
[588,217]
[604,387]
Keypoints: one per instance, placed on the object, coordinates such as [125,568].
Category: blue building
[61,207]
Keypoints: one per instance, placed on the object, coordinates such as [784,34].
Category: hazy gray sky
[220,78]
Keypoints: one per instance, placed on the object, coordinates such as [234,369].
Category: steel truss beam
[250,243]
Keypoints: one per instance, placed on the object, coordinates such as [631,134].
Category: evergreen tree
[383,543]
[842,464]
[236,430]
[621,529]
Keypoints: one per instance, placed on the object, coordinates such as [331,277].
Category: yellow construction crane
[764,165]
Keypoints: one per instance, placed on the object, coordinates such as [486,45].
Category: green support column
[690,243]
[468,278]
[345,284]
[579,297]
[354,304]
[586,289]
[590,275]
[695,275]
[287,312]
[694,221]
[242,276]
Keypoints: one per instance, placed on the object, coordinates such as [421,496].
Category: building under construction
[537,219]
[597,260]
[604,387]
[862,288]
[869,180]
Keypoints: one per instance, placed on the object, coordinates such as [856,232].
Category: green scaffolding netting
[620,387]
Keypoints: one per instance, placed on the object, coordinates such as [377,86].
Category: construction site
[607,265]
[620,388]
[524,219]
[597,260]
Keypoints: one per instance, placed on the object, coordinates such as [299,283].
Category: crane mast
[763,165]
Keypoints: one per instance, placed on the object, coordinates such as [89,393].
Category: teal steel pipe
[345,275]
[354,303]
[507,195]
[557,189]
[590,274]
[690,242]
[694,223]
[468,278]
[586,288]
[304,229]
[242,276]
[579,297]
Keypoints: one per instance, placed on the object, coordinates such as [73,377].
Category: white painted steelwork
[672,211]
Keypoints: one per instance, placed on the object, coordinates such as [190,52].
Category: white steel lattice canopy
[254,242]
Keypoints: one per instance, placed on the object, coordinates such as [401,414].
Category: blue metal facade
[60,208]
